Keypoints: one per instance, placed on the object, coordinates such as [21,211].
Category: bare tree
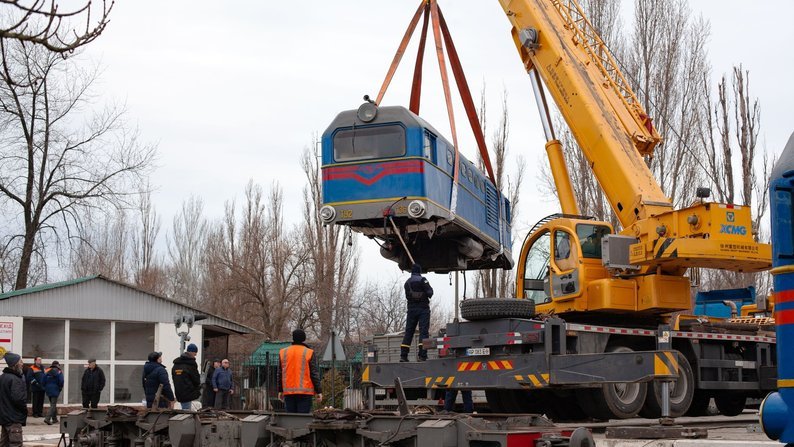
[148,273]
[57,158]
[44,23]
[103,247]
[499,282]
[253,264]
[666,61]
[381,308]
[186,246]
[732,132]
[332,263]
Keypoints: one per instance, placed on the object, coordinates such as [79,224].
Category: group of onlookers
[218,385]
[20,384]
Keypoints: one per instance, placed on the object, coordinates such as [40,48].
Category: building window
[134,341]
[43,338]
[129,384]
[89,339]
[75,378]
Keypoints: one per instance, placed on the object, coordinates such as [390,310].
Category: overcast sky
[233,91]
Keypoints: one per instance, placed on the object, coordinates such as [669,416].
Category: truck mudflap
[527,370]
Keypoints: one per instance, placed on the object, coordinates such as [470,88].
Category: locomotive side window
[429,147]
[365,143]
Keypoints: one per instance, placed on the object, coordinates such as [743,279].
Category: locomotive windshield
[365,143]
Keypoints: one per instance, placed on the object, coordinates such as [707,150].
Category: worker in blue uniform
[417,293]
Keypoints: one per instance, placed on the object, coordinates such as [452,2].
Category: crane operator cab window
[590,236]
[565,275]
[536,270]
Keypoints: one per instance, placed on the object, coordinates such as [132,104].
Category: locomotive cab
[385,167]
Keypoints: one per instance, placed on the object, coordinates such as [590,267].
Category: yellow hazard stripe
[462,366]
[785,383]
[662,365]
[533,380]
[506,364]
[783,269]
[450,380]
[493,365]
[673,360]
[659,367]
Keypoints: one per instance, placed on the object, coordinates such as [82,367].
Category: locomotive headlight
[367,112]
[327,213]
[416,209]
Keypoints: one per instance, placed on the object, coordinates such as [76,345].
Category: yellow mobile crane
[613,290]
[594,305]
[579,268]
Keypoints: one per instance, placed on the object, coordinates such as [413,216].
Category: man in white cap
[13,397]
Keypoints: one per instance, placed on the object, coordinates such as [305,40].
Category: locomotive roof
[387,114]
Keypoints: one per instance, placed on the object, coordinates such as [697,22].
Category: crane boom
[602,111]
[557,42]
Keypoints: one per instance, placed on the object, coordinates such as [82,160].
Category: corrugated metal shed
[100,298]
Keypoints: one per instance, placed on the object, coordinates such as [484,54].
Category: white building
[115,323]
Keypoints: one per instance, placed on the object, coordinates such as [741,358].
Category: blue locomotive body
[396,168]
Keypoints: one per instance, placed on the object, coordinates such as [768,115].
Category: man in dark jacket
[92,385]
[154,375]
[209,393]
[187,380]
[13,409]
[418,293]
[223,385]
[37,388]
[53,384]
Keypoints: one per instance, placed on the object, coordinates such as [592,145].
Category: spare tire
[491,308]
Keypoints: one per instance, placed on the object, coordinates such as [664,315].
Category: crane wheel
[700,404]
[681,393]
[562,406]
[730,404]
[614,400]
[502,401]
[491,308]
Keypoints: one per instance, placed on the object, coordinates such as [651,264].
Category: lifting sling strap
[441,37]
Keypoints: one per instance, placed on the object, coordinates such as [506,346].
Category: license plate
[478,351]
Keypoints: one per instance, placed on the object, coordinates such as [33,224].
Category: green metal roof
[267,349]
[271,348]
[49,286]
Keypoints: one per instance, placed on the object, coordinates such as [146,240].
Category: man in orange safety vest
[299,375]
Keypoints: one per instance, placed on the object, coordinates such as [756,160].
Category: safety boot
[404,353]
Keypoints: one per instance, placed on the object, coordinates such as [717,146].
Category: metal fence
[256,381]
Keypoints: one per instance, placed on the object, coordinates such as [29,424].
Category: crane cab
[561,268]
